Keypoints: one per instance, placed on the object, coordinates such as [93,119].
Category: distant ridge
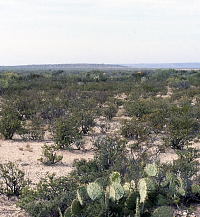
[77,65]
[165,65]
[107,66]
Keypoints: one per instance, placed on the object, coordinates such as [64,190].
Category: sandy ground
[26,155]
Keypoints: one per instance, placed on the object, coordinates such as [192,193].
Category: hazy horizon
[99,32]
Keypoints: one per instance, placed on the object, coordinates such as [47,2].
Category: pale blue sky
[106,31]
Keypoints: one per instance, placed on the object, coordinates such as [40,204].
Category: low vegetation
[125,177]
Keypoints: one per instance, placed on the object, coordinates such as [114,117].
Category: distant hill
[103,66]
[165,65]
[64,66]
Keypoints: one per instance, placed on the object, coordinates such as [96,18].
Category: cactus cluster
[175,185]
[129,197]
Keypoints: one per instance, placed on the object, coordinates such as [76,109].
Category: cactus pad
[144,186]
[119,190]
[101,182]
[82,195]
[127,189]
[131,200]
[196,188]
[132,184]
[68,212]
[180,181]
[151,170]
[76,208]
[94,191]
[163,211]
[172,188]
[161,200]
[170,177]
[115,177]
[181,191]
[112,195]
[137,209]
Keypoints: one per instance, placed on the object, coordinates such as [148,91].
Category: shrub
[181,128]
[50,155]
[110,110]
[80,144]
[13,179]
[50,194]
[135,129]
[186,163]
[157,119]
[87,121]
[110,152]
[65,132]
[10,122]
[138,108]
[87,171]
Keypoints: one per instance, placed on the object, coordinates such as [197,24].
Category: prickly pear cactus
[170,177]
[82,195]
[144,186]
[151,170]
[68,212]
[112,195]
[94,191]
[137,210]
[102,182]
[127,189]
[119,190]
[107,196]
[161,200]
[76,208]
[172,188]
[115,177]
[180,181]
[163,211]
[132,184]
[196,188]
[131,200]
[181,191]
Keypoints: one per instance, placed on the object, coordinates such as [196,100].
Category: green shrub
[110,110]
[186,163]
[135,129]
[65,132]
[87,171]
[138,108]
[181,127]
[157,119]
[50,155]
[110,152]
[13,179]
[10,122]
[50,194]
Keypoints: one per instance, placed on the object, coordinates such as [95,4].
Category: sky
[99,31]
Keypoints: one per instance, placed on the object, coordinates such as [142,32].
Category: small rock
[24,164]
